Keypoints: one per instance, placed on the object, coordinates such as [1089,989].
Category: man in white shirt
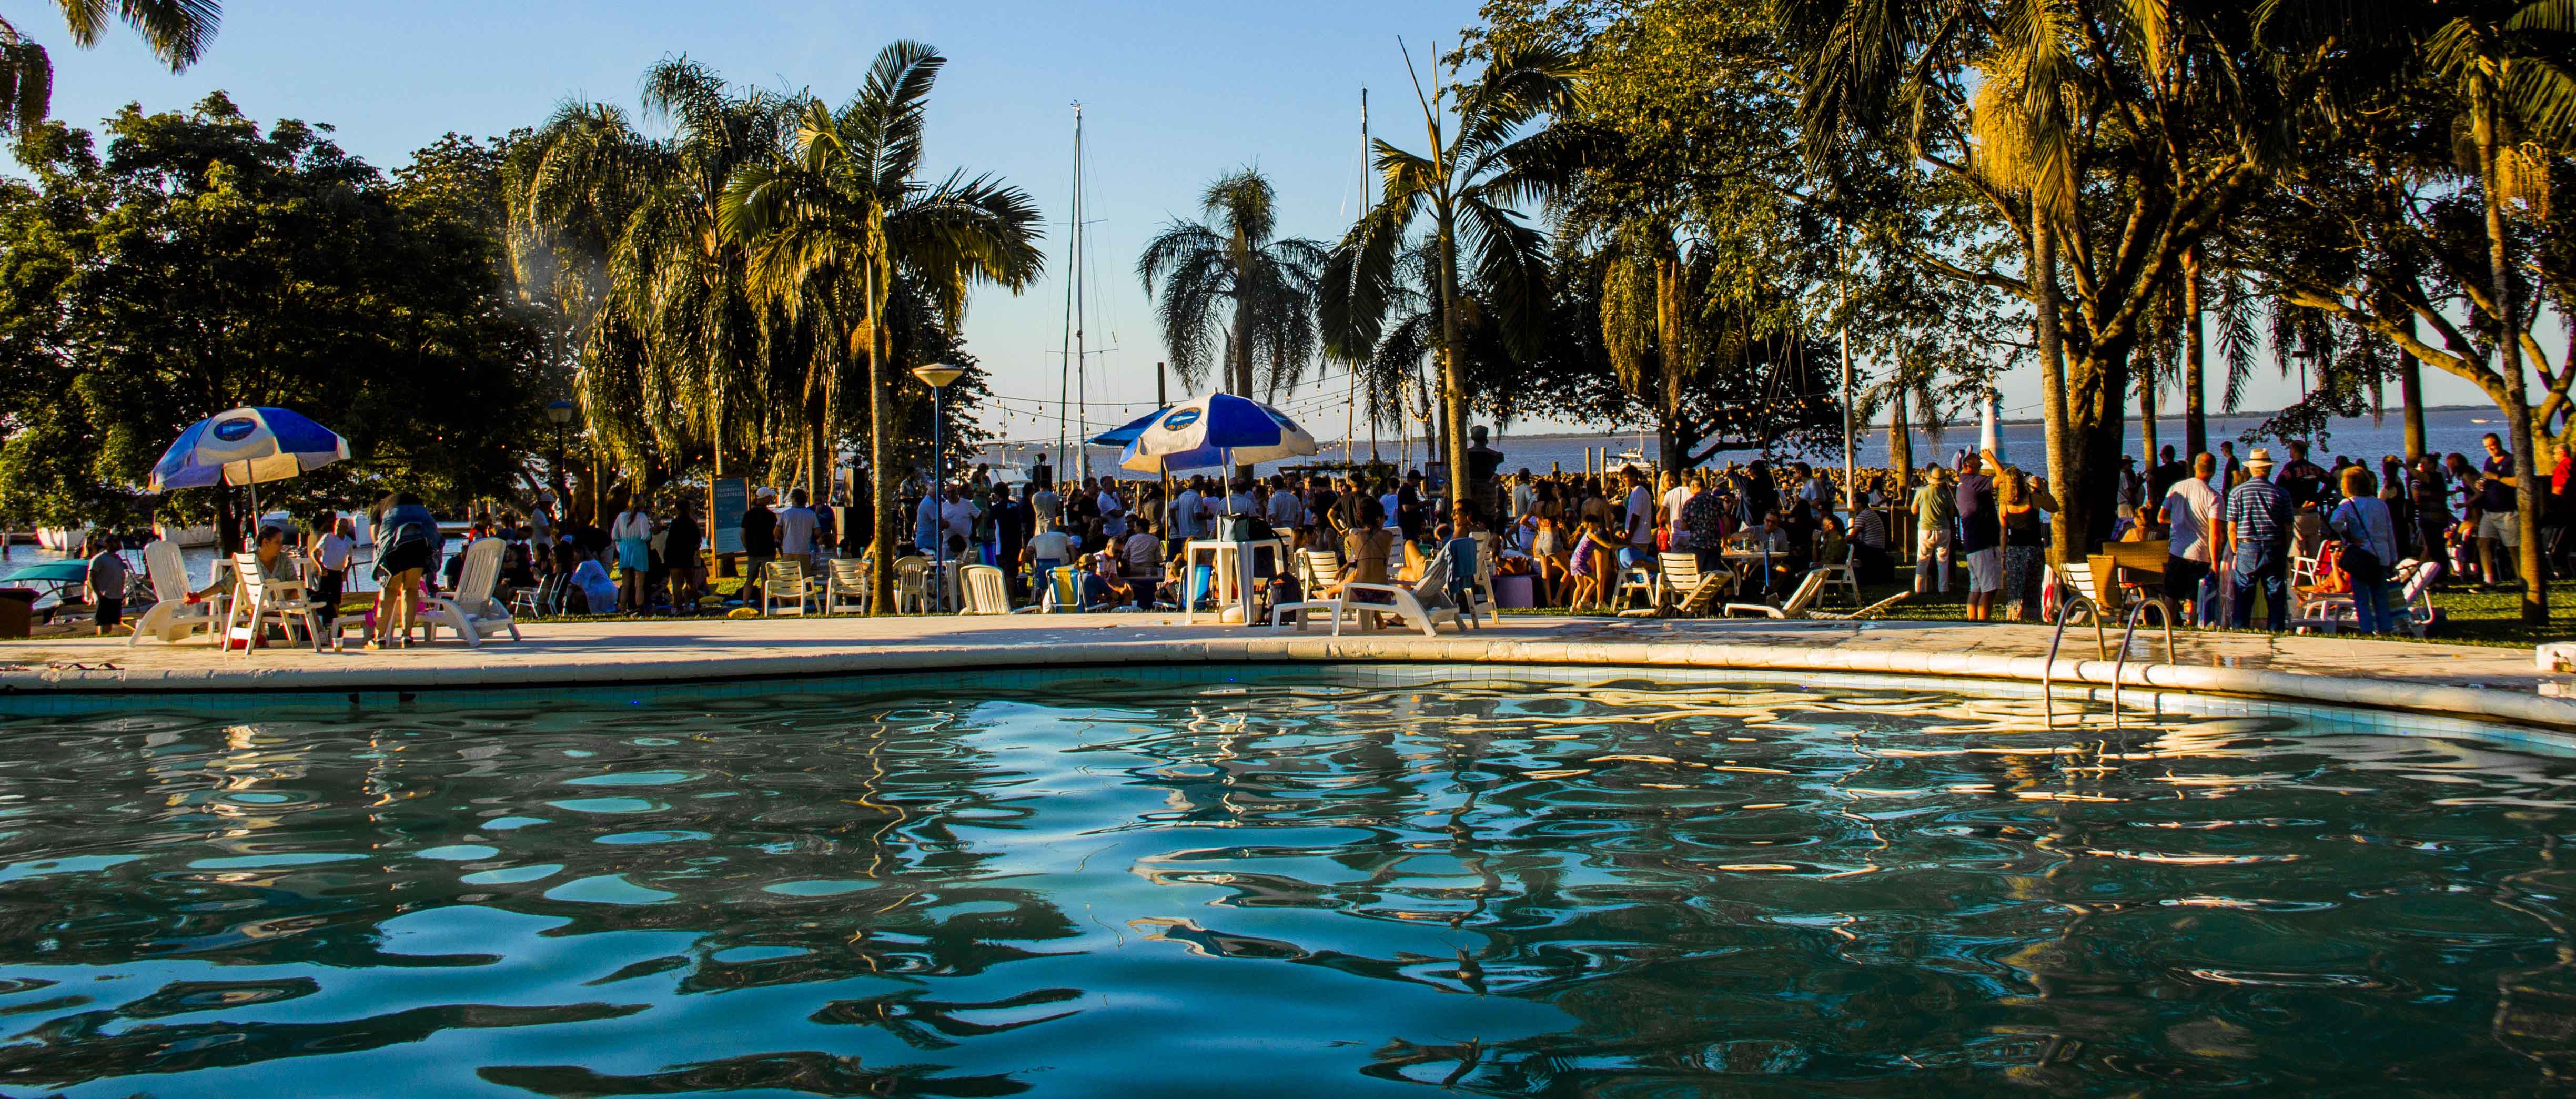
[1286,513]
[1113,511]
[1186,511]
[1239,501]
[1640,514]
[1524,493]
[1046,505]
[1681,492]
[2190,514]
[1393,497]
[957,516]
[795,529]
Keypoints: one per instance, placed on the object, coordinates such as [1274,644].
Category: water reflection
[1290,884]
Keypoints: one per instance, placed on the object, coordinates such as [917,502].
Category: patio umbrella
[1126,433]
[245,447]
[1216,430]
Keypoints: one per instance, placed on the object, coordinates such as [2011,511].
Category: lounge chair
[1802,600]
[1423,605]
[470,610]
[784,581]
[1690,592]
[986,591]
[172,616]
[846,585]
[2413,598]
[264,599]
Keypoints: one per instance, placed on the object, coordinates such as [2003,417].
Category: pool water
[1306,882]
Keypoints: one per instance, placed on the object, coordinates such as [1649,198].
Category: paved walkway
[2465,680]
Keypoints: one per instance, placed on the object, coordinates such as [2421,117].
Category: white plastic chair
[172,616]
[846,586]
[1423,605]
[1843,578]
[471,611]
[986,591]
[784,581]
[912,585]
[264,599]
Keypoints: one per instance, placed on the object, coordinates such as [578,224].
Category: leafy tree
[1233,291]
[840,227]
[1482,161]
[205,264]
[176,30]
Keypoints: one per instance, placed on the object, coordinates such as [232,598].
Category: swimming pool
[1273,881]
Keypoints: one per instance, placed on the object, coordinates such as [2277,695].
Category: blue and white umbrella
[246,446]
[1216,430]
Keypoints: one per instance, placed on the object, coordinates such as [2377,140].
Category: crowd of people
[2233,527]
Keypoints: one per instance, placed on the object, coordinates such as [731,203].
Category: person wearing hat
[2257,526]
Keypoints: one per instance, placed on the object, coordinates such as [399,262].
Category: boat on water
[62,539]
[198,537]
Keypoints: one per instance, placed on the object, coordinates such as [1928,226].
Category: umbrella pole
[250,530]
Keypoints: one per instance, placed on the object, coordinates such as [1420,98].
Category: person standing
[2257,526]
[106,577]
[2369,536]
[632,534]
[2498,523]
[2022,502]
[2190,512]
[1980,536]
[407,541]
[1936,511]
[331,557]
[680,560]
[796,526]
[1010,533]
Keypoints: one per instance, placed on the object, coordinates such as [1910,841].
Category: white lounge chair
[784,581]
[172,616]
[986,591]
[1844,578]
[262,599]
[1319,571]
[1690,592]
[471,611]
[1802,600]
[1423,605]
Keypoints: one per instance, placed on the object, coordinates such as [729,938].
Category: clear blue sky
[1173,93]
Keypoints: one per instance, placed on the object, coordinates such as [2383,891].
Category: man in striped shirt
[2258,530]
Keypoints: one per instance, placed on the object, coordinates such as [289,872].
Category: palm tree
[1481,165]
[677,353]
[1235,259]
[2505,62]
[839,223]
[176,30]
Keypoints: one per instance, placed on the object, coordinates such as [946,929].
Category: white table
[1239,578]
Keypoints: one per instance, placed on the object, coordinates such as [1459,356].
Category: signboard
[730,496]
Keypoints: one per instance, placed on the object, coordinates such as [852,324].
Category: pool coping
[503,669]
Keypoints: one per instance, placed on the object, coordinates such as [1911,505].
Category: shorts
[406,557]
[110,613]
[2501,526]
[1985,571]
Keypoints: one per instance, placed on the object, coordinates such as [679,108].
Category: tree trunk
[1453,390]
[2147,420]
[881,474]
[2535,591]
[1900,457]
[1242,354]
[2052,383]
[2195,352]
[2410,398]
[1669,354]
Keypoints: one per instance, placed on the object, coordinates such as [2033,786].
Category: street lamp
[560,412]
[937,376]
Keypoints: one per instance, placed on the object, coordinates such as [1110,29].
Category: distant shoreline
[1971,425]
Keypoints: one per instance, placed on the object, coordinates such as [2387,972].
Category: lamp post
[937,376]
[560,412]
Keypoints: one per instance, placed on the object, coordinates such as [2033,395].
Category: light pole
[560,412]
[937,376]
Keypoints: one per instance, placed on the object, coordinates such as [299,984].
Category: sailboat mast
[1350,431]
[1064,358]
[1081,375]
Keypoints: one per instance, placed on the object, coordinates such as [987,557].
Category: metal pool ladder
[2077,591]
